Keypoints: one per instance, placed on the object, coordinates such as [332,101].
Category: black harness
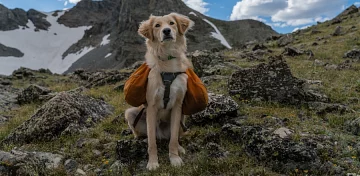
[167,78]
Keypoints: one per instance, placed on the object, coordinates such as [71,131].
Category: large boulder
[33,93]
[203,60]
[8,96]
[281,154]
[285,40]
[67,113]
[220,109]
[28,163]
[99,78]
[271,82]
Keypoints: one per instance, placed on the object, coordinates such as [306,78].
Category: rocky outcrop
[350,10]
[34,93]
[67,113]
[8,51]
[205,62]
[28,163]
[38,19]
[271,82]
[285,40]
[281,154]
[23,73]
[8,95]
[99,78]
[12,19]
[220,109]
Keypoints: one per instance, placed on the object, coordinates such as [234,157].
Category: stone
[283,132]
[338,31]
[353,54]
[99,78]
[33,93]
[203,60]
[116,167]
[292,51]
[28,163]
[131,151]
[67,113]
[259,47]
[70,165]
[80,172]
[272,82]
[285,40]
[8,96]
[219,109]
[353,126]
[82,142]
[323,108]
[23,73]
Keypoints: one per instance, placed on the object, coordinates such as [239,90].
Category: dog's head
[166,28]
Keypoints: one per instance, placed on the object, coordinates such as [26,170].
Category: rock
[99,78]
[219,109]
[283,132]
[116,167]
[70,165]
[28,163]
[338,31]
[12,19]
[323,108]
[204,60]
[319,63]
[67,113]
[336,21]
[33,93]
[353,126]
[131,151]
[282,155]
[345,65]
[292,51]
[353,54]
[5,82]
[215,150]
[259,47]
[80,172]
[6,51]
[96,152]
[38,19]
[8,96]
[285,40]
[43,70]
[23,73]
[271,82]
[331,67]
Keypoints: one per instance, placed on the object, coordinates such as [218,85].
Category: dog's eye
[172,23]
[157,25]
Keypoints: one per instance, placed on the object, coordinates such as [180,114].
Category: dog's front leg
[151,121]
[174,139]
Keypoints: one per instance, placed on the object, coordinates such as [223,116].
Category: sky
[284,16]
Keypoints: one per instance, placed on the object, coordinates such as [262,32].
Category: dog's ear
[183,23]
[145,28]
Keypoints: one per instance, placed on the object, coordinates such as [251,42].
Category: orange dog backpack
[195,100]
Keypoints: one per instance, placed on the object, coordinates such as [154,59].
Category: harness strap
[168,78]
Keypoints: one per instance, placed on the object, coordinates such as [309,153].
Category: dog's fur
[158,122]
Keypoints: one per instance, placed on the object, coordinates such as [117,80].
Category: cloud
[357,3]
[198,5]
[65,3]
[287,12]
[74,1]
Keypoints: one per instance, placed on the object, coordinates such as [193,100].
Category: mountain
[103,34]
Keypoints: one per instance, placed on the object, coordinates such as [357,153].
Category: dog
[166,48]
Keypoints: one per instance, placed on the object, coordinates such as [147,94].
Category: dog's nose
[167,31]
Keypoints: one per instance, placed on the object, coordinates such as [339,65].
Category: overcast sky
[283,15]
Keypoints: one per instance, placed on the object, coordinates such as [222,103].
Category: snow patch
[105,40]
[42,49]
[108,55]
[218,34]
[193,13]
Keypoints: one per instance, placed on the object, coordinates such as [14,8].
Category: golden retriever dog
[166,47]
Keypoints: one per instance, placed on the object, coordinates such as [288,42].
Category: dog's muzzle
[167,34]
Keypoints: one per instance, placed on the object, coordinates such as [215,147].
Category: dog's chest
[157,94]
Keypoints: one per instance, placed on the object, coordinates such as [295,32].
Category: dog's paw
[176,161]
[152,166]
[181,150]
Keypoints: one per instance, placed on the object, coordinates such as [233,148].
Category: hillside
[287,106]
[103,34]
